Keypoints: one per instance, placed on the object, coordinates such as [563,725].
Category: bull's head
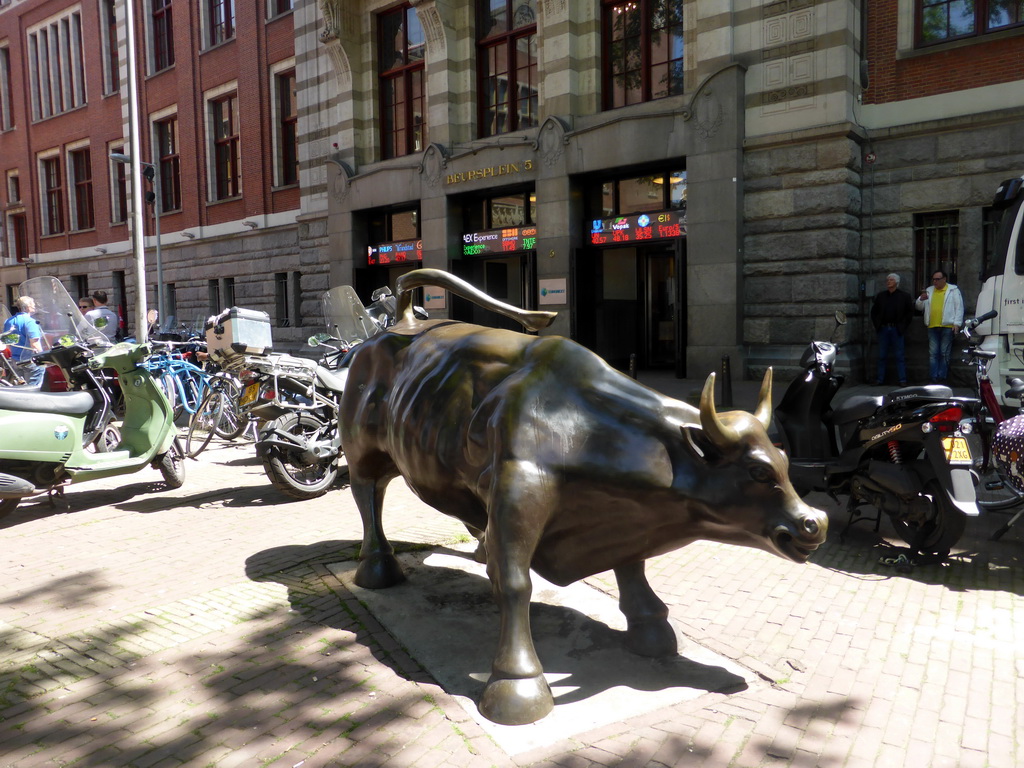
[770,513]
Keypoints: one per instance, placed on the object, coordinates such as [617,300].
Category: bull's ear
[699,443]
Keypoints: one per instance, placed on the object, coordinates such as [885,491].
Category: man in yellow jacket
[943,307]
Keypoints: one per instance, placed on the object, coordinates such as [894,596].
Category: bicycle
[994,492]
[187,384]
[218,414]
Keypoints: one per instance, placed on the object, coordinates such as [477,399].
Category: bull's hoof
[379,572]
[517,702]
[654,638]
[480,553]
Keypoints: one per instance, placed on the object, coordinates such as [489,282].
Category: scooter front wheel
[172,466]
[940,530]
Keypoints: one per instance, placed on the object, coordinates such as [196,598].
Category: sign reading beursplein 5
[491,171]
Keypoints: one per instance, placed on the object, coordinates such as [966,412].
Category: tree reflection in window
[643,50]
[508,65]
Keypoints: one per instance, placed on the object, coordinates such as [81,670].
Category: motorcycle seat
[34,401]
[334,380]
[923,392]
[856,408]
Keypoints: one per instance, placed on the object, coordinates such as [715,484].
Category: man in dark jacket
[891,314]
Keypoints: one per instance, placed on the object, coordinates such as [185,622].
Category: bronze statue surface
[560,464]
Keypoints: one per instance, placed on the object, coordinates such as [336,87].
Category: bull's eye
[760,473]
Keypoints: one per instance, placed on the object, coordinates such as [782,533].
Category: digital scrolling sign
[401,252]
[505,240]
[632,229]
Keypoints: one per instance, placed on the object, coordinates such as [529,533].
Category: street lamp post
[154,177]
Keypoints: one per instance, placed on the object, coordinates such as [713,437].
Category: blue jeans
[940,346]
[891,340]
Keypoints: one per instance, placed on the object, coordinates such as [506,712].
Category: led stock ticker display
[506,240]
[401,252]
[632,229]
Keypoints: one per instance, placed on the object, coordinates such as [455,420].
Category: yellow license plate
[956,449]
[249,394]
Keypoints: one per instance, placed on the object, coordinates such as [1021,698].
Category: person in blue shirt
[29,340]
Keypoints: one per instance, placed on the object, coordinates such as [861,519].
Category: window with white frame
[118,186]
[218,21]
[108,42]
[165,143]
[161,33]
[277,7]
[6,116]
[224,139]
[80,188]
[51,194]
[13,188]
[56,65]
[286,119]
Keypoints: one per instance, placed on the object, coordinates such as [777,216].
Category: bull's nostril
[811,525]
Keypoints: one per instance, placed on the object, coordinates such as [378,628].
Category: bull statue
[557,462]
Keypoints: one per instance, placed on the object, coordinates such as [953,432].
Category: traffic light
[149,172]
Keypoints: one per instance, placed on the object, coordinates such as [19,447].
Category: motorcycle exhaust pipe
[12,487]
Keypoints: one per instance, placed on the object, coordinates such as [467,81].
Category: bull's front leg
[648,632]
[520,503]
[378,567]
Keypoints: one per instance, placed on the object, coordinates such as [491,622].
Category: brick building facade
[220,116]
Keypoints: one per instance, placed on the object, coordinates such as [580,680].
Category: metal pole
[138,209]
[157,205]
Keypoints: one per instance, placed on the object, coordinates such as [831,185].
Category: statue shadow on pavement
[445,617]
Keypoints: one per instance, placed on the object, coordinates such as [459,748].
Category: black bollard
[725,399]
[632,365]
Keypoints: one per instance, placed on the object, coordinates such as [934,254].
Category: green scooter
[42,434]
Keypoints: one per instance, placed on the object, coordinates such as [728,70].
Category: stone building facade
[824,144]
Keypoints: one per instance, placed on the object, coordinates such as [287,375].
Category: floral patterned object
[1008,450]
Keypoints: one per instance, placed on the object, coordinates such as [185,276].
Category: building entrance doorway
[630,303]
[505,278]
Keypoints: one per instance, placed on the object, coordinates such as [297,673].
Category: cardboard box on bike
[239,331]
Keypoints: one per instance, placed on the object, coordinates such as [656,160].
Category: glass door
[661,308]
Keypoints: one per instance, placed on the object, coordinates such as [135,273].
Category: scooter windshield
[58,314]
[345,315]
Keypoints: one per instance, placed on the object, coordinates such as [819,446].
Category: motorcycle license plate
[956,449]
[249,394]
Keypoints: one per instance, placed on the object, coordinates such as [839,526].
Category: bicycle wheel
[232,422]
[203,423]
[192,390]
[169,385]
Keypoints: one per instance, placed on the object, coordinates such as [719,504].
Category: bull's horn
[720,435]
[763,412]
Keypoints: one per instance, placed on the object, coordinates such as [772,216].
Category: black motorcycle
[904,453]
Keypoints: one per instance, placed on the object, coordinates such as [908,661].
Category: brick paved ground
[200,627]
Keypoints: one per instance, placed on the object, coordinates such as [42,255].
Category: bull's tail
[532,321]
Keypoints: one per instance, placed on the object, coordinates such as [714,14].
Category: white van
[1002,289]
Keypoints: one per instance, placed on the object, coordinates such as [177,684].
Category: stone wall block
[980,142]
[935,195]
[756,331]
[764,205]
[792,159]
[913,151]
[808,201]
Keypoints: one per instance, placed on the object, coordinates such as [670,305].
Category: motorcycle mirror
[382,291]
[840,317]
[66,340]
[317,339]
[152,316]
